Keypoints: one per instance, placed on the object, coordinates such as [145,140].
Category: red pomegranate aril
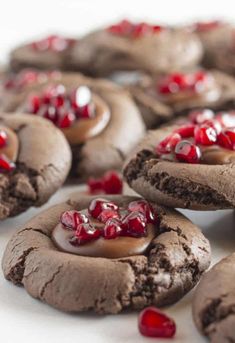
[200,116]
[94,185]
[186,131]
[226,139]
[105,215]
[112,183]
[3,138]
[85,112]
[135,224]
[153,323]
[173,83]
[215,124]
[49,113]
[86,233]
[98,205]
[208,26]
[187,152]
[112,229]
[141,29]
[67,120]
[145,208]
[205,135]
[71,219]
[6,164]
[226,119]
[34,104]
[168,144]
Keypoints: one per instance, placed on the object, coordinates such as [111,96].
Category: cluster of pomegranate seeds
[54,43]
[109,183]
[204,129]
[116,221]
[129,29]
[63,109]
[5,164]
[154,323]
[179,82]
[27,77]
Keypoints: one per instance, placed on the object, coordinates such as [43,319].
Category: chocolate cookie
[142,254]
[47,53]
[214,302]
[140,46]
[99,119]
[34,162]
[189,165]
[162,98]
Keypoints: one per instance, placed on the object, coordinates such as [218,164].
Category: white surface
[23,319]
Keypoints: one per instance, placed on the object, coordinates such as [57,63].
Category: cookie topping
[79,113]
[52,43]
[208,134]
[208,26]
[131,30]
[154,323]
[103,222]
[3,138]
[5,164]
[109,183]
[9,146]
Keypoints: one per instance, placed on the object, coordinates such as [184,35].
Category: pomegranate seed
[141,29]
[98,205]
[168,144]
[112,183]
[95,185]
[208,26]
[112,229]
[226,119]
[34,104]
[105,215]
[200,116]
[81,97]
[173,83]
[85,112]
[86,233]
[186,131]
[49,113]
[6,164]
[53,42]
[3,138]
[188,152]
[67,120]
[71,219]
[226,139]
[205,135]
[153,323]
[215,124]
[135,224]
[145,208]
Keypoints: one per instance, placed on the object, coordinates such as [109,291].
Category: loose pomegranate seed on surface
[135,224]
[86,233]
[168,144]
[109,183]
[205,135]
[144,207]
[3,138]
[154,323]
[95,186]
[5,164]
[98,205]
[112,229]
[71,219]
[187,152]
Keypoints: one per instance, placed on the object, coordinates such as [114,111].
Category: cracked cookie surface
[172,265]
[214,302]
[42,164]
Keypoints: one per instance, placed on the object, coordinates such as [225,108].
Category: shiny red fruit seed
[186,130]
[145,208]
[173,83]
[226,139]
[205,135]
[94,185]
[6,164]
[67,120]
[112,183]
[135,224]
[200,116]
[71,219]
[153,323]
[187,152]
[105,215]
[112,229]
[3,138]
[86,233]
[98,205]
[168,144]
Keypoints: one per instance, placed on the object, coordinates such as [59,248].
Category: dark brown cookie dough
[107,149]
[214,302]
[172,266]
[174,184]
[103,52]
[48,53]
[157,109]
[42,163]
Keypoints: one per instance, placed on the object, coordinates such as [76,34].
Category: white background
[22,318]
